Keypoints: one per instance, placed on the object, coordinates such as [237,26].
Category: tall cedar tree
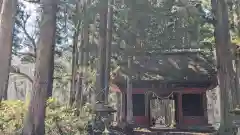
[34,121]
[224,63]
[108,48]
[7,19]
[74,58]
[101,62]
[83,56]
[1,5]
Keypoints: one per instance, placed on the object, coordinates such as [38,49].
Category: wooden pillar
[129,94]
[180,110]
[119,104]
[204,97]
[123,107]
[147,107]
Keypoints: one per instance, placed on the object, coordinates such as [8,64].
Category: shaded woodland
[59,58]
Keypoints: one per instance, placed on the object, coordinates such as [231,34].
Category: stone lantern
[102,121]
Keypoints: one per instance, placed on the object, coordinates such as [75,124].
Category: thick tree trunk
[34,121]
[101,62]
[108,48]
[224,64]
[7,18]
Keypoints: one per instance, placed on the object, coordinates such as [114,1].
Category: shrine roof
[195,67]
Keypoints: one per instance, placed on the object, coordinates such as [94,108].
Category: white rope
[158,97]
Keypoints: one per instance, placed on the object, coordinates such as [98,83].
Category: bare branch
[15,70]
[33,1]
[22,25]
[27,54]
[60,77]
[23,75]
[30,38]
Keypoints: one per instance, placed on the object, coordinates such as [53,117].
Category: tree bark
[237,65]
[7,19]
[74,65]
[1,5]
[34,121]
[108,48]
[224,64]
[84,56]
[78,88]
[85,50]
[101,62]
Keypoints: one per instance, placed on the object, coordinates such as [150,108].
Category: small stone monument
[103,112]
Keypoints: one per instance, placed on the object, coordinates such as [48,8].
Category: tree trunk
[34,121]
[101,62]
[78,95]
[224,64]
[108,48]
[85,50]
[7,19]
[84,56]
[237,65]
[74,65]
[1,5]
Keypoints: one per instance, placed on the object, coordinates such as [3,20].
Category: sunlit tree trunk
[74,64]
[85,50]
[34,120]
[7,19]
[84,56]
[79,72]
[237,65]
[224,64]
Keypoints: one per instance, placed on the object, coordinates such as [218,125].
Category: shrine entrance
[180,109]
[162,112]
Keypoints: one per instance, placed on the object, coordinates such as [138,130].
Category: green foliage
[60,119]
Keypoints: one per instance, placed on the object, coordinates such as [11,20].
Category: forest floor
[171,132]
